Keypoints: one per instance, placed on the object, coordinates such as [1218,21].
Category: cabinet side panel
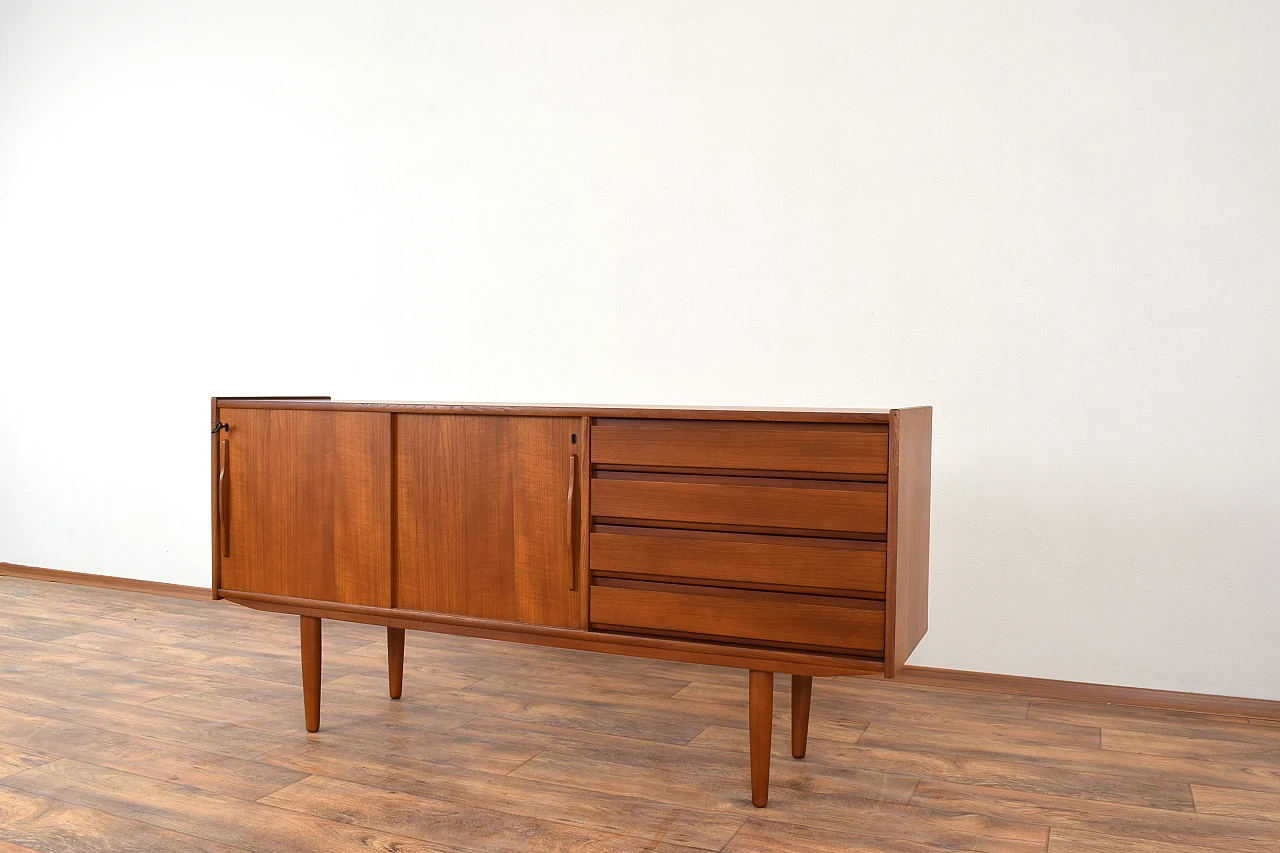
[214,438]
[910,452]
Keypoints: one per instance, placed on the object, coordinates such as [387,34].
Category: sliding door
[306,507]
[486,508]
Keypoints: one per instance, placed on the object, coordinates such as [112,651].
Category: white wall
[1055,222]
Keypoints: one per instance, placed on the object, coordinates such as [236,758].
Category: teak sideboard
[771,540]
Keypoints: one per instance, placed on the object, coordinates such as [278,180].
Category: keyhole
[573,439]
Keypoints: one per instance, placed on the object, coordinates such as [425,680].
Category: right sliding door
[485,515]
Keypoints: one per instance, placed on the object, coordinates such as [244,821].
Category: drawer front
[758,618]
[810,448]
[810,505]
[737,559]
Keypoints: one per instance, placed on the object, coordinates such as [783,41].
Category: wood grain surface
[723,413]
[910,451]
[743,501]
[739,559]
[763,617]
[817,448]
[134,722]
[309,498]
[483,519]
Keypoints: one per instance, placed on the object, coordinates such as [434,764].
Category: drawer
[813,448]
[732,558]
[758,618]
[798,505]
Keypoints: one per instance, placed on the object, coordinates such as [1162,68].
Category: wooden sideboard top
[857,416]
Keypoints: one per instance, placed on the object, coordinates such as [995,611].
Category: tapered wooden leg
[311,671]
[760,718]
[801,691]
[395,660]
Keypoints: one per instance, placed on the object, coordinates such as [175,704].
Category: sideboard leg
[801,692]
[311,671]
[395,660]
[760,717]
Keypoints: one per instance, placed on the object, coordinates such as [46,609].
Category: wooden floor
[135,722]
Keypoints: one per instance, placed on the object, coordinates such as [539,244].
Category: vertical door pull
[224,515]
[573,486]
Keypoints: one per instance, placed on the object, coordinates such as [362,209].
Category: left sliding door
[306,507]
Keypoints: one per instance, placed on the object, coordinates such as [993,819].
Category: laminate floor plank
[1230,802]
[103,713]
[885,832]
[1140,824]
[459,827]
[86,660]
[1075,841]
[135,687]
[610,813]
[1014,774]
[10,847]
[26,626]
[578,712]
[1262,751]
[238,823]
[272,664]
[827,705]
[271,720]
[207,771]
[15,759]
[419,676]
[32,822]
[274,708]
[1134,719]
[1177,768]
[433,750]
[134,722]
[616,698]
[821,798]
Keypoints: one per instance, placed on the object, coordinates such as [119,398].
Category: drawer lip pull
[759,618]
[733,559]
[841,508]
[816,448]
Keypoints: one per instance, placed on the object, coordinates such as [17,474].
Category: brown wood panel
[483,520]
[819,448]
[215,458]
[737,558]
[711,413]
[760,617]
[910,447]
[742,656]
[309,505]
[807,504]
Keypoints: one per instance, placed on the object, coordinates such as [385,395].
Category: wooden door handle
[573,487]
[224,514]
